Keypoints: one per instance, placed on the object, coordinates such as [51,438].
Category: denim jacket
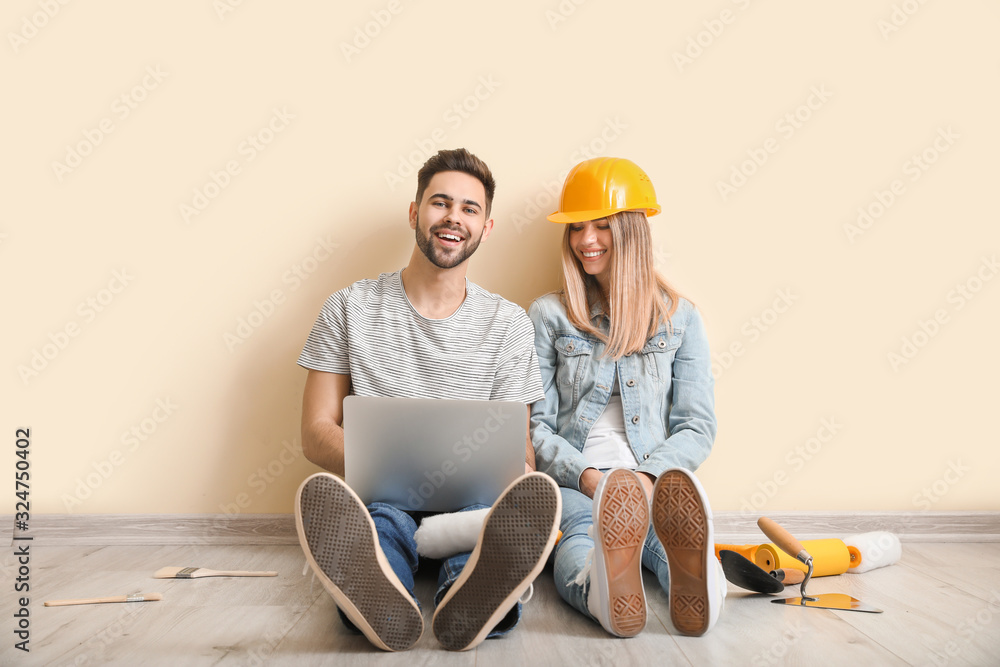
[666,392]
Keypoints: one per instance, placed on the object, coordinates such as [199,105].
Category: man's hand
[322,416]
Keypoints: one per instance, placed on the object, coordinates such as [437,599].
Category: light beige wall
[540,85]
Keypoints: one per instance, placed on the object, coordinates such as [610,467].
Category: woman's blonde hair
[638,298]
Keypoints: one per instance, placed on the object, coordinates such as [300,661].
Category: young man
[424,331]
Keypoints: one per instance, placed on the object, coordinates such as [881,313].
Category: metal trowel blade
[838,601]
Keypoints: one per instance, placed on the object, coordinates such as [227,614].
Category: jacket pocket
[574,355]
[658,353]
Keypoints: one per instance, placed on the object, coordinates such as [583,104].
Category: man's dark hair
[457,159]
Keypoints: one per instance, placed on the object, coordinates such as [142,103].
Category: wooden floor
[941,604]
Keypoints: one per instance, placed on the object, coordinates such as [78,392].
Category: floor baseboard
[249,529]
[737,527]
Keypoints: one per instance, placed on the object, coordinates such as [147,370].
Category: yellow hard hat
[604,185]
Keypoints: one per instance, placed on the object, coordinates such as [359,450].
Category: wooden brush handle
[242,573]
[118,598]
[783,539]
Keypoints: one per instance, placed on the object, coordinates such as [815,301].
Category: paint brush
[198,572]
[133,597]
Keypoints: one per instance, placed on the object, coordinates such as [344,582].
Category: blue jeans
[395,530]
[571,552]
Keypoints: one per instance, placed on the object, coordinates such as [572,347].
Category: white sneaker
[682,519]
[621,521]
[719,593]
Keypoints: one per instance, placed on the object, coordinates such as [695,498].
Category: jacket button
[645,456]
[662,343]
[630,383]
[635,420]
[569,348]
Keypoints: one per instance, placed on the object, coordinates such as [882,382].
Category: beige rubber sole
[683,524]
[514,543]
[621,524]
[338,537]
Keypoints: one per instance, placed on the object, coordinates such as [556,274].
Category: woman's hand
[647,484]
[589,480]
[591,477]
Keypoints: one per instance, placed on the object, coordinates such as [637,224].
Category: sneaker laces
[527,595]
[588,565]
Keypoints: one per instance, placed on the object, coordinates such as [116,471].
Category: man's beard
[437,256]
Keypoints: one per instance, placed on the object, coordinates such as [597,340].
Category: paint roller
[830,557]
[875,549]
[855,554]
[748,551]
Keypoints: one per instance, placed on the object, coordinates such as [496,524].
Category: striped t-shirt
[484,351]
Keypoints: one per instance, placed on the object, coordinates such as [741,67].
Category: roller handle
[783,539]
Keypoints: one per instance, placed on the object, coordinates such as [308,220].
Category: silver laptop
[432,455]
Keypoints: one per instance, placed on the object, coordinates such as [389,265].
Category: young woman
[628,412]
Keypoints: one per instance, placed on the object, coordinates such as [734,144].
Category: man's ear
[487,228]
[413,214]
